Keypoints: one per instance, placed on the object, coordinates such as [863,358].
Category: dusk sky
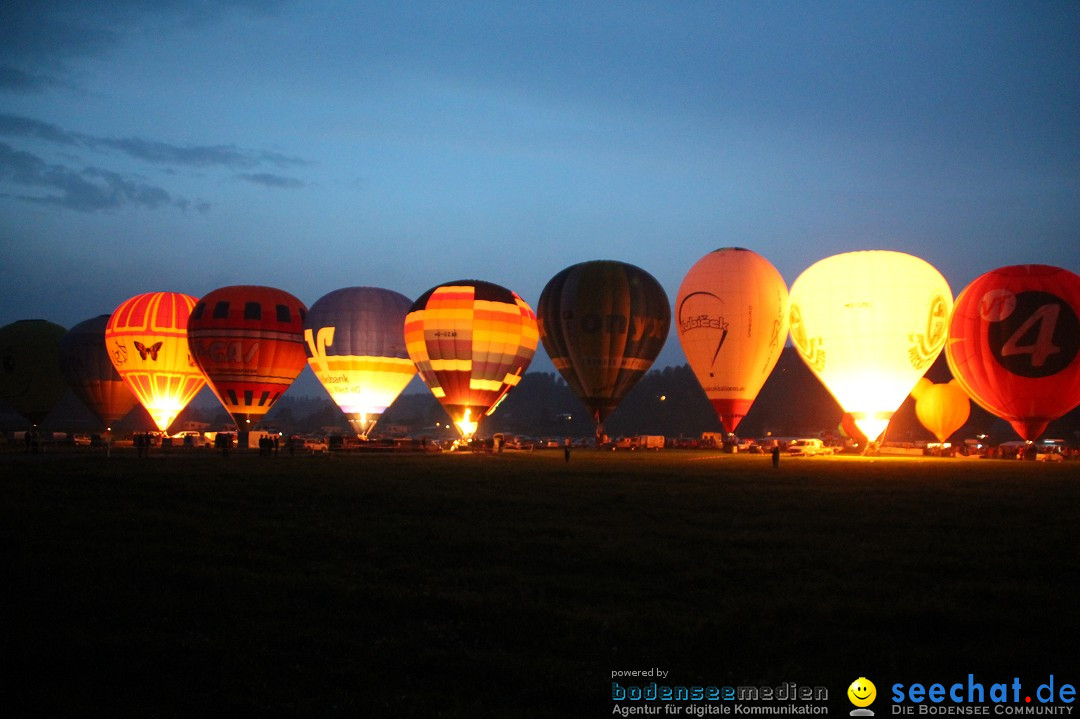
[148,145]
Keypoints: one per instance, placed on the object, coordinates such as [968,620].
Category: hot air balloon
[731,314]
[146,337]
[30,377]
[356,346]
[471,341]
[603,323]
[90,373]
[249,342]
[869,324]
[1013,344]
[941,408]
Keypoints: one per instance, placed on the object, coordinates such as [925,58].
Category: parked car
[315,445]
[807,448]
[192,438]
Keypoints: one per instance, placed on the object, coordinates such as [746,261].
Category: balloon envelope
[355,341]
[31,380]
[941,408]
[90,373]
[849,429]
[471,342]
[731,314]
[146,337]
[869,324]
[249,342]
[1014,341]
[603,323]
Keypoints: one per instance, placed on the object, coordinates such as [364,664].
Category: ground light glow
[869,325]
[466,425]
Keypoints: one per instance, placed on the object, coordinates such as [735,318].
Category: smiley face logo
[862,692]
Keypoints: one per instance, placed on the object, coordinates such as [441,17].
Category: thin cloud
[268,180]
[86,190]
[47,32]
[279,160]
[17,126]
[12,79]
[163,153]
[152,151]
[94,188]
[201,206]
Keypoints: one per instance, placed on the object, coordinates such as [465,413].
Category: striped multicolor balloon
[471,341]
[146,337]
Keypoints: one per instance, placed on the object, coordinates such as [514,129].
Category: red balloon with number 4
[1014,344]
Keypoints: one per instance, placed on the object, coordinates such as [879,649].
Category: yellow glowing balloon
[147,341]
[941,408]
[869,325]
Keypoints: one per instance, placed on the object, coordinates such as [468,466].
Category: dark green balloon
[30,377]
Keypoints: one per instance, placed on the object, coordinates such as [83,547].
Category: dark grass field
[514,585]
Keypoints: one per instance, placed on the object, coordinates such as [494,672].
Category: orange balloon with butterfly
[146,337]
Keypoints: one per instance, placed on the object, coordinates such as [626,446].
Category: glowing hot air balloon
[30,377]
[1014,341]
[471,341]
[356,346]
[90,373]
[731,314]
[249,342]
[869,325]
[146,337]
[941,408]
[603,323]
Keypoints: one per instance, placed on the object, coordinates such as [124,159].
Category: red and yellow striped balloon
[471,341]
[146,337]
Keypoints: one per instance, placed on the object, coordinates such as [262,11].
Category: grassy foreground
[514,585]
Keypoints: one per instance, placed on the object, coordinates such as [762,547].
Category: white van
[650,441]
[807,448]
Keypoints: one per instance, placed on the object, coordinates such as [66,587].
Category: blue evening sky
[166,145]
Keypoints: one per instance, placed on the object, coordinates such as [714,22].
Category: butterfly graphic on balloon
[151,351]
